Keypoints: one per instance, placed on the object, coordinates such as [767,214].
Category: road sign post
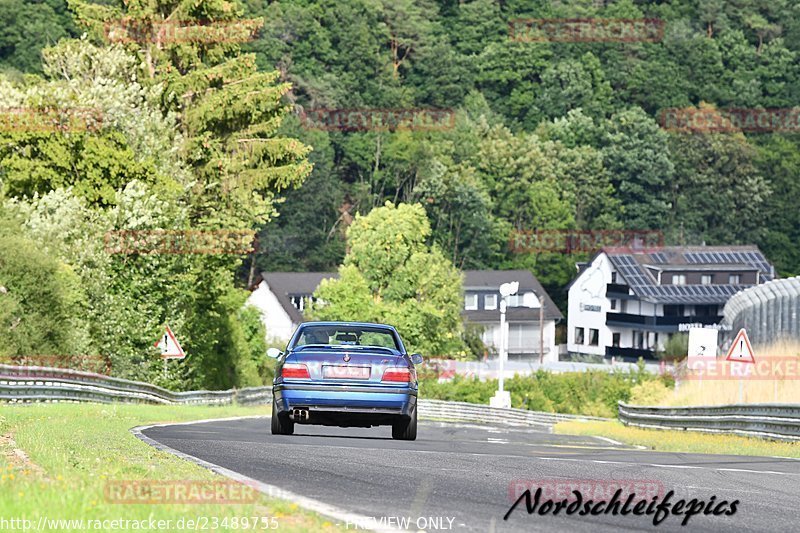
[741,351]
[170,347]
[702,349]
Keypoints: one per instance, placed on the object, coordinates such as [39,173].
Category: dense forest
[547,135]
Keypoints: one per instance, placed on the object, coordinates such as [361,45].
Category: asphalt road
[464,478]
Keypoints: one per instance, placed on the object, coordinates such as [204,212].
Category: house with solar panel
[625,304]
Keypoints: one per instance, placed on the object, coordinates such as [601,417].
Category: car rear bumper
[330,401]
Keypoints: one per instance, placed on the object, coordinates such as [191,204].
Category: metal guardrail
[765,420]
[22,384]
[483,414]
[42,384]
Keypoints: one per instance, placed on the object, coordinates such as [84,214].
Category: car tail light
[295,370]
[397,374]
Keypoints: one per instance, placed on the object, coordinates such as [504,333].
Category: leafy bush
[676,347]
[649,393]
[41,301]
[593,393]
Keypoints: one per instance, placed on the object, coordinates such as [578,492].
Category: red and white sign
[169,346]
[741,351]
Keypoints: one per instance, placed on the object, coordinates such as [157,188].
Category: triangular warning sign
[741,351]
[169,346]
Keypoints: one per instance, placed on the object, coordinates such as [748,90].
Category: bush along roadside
[592,393]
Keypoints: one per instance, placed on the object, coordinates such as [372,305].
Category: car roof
[369,324]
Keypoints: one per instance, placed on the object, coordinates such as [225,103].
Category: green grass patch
[680,441]
[57,459]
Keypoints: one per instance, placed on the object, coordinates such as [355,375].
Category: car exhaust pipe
[299,415]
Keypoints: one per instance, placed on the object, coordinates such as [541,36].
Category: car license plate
[345,372]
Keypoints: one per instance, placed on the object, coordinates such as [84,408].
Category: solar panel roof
[645,285]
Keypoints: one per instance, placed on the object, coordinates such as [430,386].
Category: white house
[482,306]
[282,296]
[626,304]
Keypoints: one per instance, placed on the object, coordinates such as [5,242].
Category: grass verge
[680,441]
[58,461]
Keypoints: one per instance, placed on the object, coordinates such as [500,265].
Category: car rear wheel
[281,425]
[405,429]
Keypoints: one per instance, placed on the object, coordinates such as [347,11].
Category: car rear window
[347,336]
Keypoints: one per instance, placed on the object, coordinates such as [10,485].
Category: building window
[615,340]
[578,335]
[734,279]
[638,339]
[706,279]
[490,302]
[613,277]
[594,337]
[300,301]
[674,310]
[613,305]
[705,310]
[679,279]
[522,338]
[470,302]
[516,300]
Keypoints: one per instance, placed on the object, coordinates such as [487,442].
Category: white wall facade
[588,306]
[278,323]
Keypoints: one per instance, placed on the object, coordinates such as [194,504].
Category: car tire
[281,425]
[405,429]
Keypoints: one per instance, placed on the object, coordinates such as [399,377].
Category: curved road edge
[272,491]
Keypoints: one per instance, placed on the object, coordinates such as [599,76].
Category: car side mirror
[274,353]
[416,358]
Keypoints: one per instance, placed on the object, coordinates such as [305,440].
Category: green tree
[460,210]
[391,275]
[41,300]
[27,26]
[198,119]
[229,111]
[718,193]
[572,84]
[778,159]
[308,233]
[637,157]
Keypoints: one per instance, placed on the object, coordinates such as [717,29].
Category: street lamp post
[502,398]
[541,330]
[501,380]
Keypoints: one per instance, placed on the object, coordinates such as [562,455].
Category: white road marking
[270,490]
[657,465]
[610,441]
[726,490]
[654,465]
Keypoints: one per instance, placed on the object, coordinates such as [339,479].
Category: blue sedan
[346,374]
